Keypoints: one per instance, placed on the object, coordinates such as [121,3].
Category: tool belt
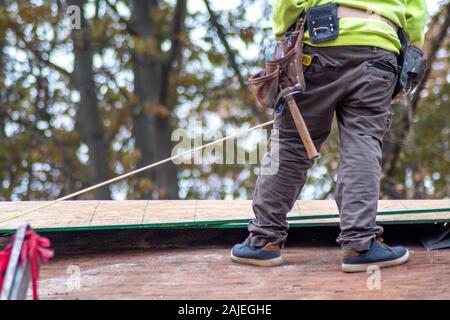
[282,77]
[323,25]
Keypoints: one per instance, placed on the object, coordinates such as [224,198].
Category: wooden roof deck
[92,215]
[309,272]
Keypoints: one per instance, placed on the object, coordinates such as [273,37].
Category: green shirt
[409,14]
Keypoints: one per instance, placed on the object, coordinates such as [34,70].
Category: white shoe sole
[382,264]
[258,262]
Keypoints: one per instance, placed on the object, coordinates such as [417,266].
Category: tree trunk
[88,121]
[151,115]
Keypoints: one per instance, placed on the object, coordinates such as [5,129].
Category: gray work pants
[340,80]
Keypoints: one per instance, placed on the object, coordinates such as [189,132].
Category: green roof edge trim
[240,223]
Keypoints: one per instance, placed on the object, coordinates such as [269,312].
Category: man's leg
[363,118]
[283,174]
[358,182]
[282,178]
[277,190]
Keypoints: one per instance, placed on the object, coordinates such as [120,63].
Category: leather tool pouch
[282,73]
[413,66]
[323,23]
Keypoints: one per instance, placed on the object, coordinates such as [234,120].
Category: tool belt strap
[347,12]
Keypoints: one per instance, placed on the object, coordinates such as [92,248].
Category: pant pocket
[320,64]
[385,70]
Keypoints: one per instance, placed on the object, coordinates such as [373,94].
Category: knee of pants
[362,155]
[284,184]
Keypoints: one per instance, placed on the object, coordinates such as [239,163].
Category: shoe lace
[247,240]
[380,241]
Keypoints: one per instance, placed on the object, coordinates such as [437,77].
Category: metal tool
[17,276]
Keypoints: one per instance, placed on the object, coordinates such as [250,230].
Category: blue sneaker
[268,256]
[378,254]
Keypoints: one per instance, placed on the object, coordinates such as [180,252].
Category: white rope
[132,173]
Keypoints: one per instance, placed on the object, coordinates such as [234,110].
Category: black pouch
[413,66]
[323,23]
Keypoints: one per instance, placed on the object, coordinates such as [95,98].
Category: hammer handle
[303,130]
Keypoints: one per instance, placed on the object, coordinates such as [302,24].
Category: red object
[4,259]
[35,249]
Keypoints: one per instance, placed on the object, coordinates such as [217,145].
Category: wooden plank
[64,214]
[317,207]
[118,213]
[160,213]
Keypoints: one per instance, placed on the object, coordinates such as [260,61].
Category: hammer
[300,124]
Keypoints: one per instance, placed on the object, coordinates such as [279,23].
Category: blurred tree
[155,90]
[416,153]
[36,156]
[78,106]
[88,119]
